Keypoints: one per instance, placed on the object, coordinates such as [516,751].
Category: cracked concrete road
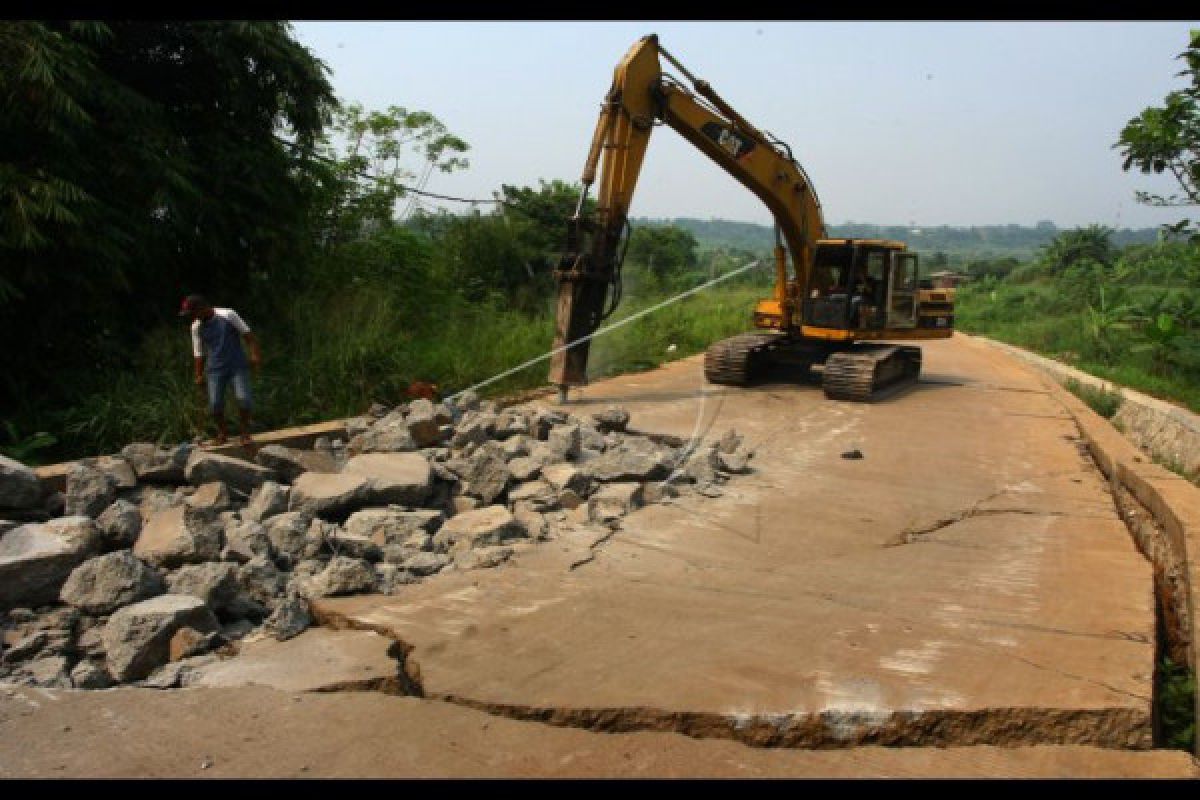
[966,589]
[967,582]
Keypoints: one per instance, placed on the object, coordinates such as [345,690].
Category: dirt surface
[966,589]
[256,732]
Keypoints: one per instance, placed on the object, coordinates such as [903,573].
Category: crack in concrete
[1073,676]
[912,535]
[1116,727]
[831,729]
[591,556]
[407,680]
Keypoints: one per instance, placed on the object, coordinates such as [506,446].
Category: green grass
[1104,402]
[1177,705]
[330,357]
[1031,316]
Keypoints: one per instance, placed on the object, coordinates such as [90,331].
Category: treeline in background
[147,160]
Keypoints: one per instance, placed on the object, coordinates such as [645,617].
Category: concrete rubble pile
[159,561]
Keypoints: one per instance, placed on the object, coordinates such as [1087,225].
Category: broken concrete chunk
[423,423]
[118,469]
[180,535]
[354,545]
[48,672]
[524,468]
[26,647]
[484,475]
[516,446]
[120,524]
[105,583]
[569,499]
[614,501]
[36,559]
[261,581]
[204,467]
[354,426]
[393,526]
[486,526]
[401,478]
[737,462]
[19,485]
[288,534]
[212,496]
[657,491]
[544,419]
[467,400]
[462,503]
[90,490]
[319,537]
[328,494]
[472,429]
[268,500]
[244,541]
[591,440]
[511,422]
[388,435]
[613,418]
[154,464]
[635,459]
[567,477]
[389,577]
[216,583]
[535,495]
[533,522]
[137,638]
[423,564]
[90,675]
[564,441]
[188,642]
[289,463]
[483,558]
[730,442]
[343,575]
[290,618]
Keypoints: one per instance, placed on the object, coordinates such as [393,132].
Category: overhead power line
[405,187]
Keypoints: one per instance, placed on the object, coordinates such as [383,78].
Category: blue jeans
[217,381]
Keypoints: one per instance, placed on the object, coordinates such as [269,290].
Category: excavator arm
[589,273]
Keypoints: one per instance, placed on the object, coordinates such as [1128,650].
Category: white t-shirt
[227,313]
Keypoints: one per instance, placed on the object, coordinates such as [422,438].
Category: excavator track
[735,361]
[861,374]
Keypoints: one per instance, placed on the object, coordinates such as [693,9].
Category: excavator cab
[861,285]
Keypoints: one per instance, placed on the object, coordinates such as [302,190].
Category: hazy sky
[958,123]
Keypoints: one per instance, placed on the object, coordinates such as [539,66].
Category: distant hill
[958,243]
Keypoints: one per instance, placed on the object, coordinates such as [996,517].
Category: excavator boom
[641,95]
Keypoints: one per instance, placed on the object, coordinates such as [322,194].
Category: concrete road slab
[319,659]
[967,582]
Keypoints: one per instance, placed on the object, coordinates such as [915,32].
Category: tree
[371,156]
[507,254]
[1166,138]
[143,160]
[665,250]
[1092,243]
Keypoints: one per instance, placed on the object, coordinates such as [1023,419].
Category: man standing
[217,336]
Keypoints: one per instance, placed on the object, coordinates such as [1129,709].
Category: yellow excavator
[843,298]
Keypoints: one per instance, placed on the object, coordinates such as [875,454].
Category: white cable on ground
[609,329]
